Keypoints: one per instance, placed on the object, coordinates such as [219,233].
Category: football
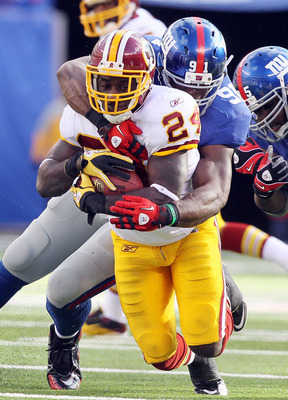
[122,186]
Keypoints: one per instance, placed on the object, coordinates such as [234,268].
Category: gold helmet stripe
[115,46]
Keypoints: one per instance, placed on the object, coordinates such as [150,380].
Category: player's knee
[25,250]
[156,347]
[60,288]
[201,325]
[68,281]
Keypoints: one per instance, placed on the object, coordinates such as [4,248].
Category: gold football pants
[147,278]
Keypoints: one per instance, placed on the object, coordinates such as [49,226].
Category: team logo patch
[115,141]
[267,176]
[126,248]
[175,102]
[143,218]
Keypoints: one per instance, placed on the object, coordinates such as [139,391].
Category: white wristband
[165,191]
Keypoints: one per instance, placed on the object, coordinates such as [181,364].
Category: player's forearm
[198,206]
[211,183]
[72,80]
[52,180]
[273,205]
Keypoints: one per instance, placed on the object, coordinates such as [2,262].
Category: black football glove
[271,175]
[86,198]
[100,164]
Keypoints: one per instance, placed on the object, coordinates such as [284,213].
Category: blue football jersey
[280,147]
[226,121]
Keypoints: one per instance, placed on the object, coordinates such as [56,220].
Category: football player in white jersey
[99,17]
[169,120]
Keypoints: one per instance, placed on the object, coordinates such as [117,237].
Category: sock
[243,238]
[9,285]
[111,306]
[68,321]
[182,356]
[276,250]
[62,336]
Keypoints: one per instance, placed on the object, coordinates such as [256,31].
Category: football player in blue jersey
[261,78]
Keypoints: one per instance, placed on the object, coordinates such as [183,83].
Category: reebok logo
[126,248]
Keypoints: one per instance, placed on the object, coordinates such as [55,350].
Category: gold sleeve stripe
[174,149]
[193,143]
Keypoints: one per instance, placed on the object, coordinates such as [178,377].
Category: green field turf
[254,364]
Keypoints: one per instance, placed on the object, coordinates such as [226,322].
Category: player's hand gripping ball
[122,186]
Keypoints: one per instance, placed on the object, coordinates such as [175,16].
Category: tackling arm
[211,184]
[72,80]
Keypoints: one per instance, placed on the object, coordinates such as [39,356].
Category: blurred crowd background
[37,36]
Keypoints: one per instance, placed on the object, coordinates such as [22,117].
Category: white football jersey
[169,120]
[145,24]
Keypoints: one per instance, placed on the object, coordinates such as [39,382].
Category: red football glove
[120,140]
[248,157]
[272,173]
[143,215]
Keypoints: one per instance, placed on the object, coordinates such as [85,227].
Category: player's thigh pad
[199,285]
[60,230]
[146,293]
[91,266]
